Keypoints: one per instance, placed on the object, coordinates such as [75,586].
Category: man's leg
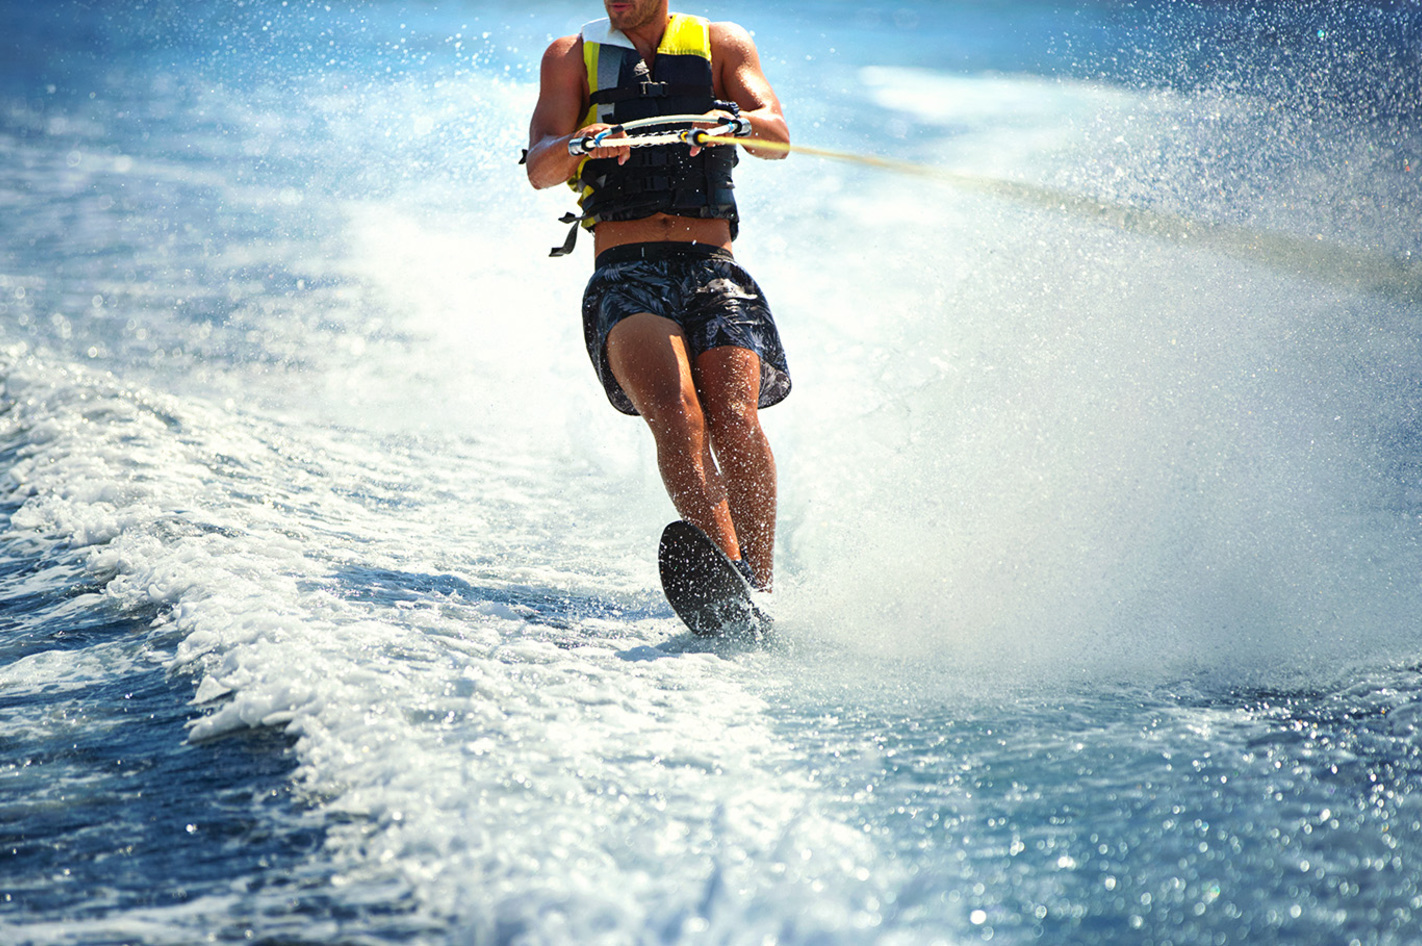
[728,380]
[648,357]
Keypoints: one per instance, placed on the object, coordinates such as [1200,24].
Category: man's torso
[665,227]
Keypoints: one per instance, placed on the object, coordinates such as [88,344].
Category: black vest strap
[572,239]
[647,90]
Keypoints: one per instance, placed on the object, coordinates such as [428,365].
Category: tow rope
[1369,269]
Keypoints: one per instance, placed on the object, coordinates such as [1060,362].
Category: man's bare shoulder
[564,48]
[731,36]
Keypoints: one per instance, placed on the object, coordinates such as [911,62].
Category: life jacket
[661,178]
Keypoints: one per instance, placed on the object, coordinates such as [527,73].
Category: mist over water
[1185,455]
[329,607]
[1107,452]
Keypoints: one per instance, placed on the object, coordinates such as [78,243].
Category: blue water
[327,604]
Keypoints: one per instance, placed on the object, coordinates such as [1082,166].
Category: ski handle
[735,127]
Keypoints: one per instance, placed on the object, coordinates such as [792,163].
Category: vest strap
[647,90]
[572,239]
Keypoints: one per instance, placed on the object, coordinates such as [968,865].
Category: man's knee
[733,420]
[674,408]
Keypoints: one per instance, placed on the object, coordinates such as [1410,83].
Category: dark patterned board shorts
[702,289]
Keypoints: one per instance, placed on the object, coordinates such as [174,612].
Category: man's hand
[587,135]
[717,118]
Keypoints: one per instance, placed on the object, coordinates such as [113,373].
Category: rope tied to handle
[731,129]
[1369,269]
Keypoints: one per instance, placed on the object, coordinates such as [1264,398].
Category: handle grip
[578,147]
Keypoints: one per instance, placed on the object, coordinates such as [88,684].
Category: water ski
[704,588]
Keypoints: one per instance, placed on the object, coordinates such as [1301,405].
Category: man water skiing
[677,331]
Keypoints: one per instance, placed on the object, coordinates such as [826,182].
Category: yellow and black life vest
[661,178]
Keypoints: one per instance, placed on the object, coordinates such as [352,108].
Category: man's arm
[562,102]
[739,78]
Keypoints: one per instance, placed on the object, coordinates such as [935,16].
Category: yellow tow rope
[905,167]
[1374,270]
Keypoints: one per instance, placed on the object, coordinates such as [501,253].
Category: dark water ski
[704,588]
